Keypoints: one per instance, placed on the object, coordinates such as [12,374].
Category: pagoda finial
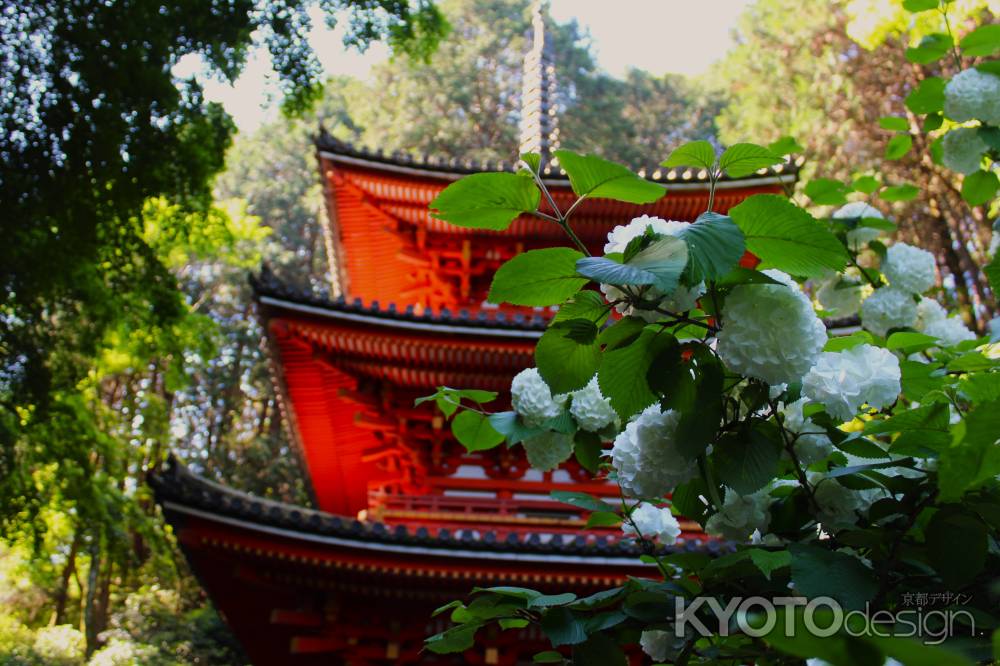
[539,129]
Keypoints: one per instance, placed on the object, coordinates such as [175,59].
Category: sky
[660,36]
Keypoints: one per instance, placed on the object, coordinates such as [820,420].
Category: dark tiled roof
[266,284]
[326,143]
[177,485]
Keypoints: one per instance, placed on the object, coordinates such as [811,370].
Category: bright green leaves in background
[486,200]
[788,238]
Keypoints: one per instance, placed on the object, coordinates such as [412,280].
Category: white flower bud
[888,308]
[532,398]
[973,95]
[962,150]
[909,268]
[741,515]
[646,457]
[590,408]
[653,523]
[859,237]
[949,331]
[548,450]
[811,442]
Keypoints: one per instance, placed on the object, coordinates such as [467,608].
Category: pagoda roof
[271,292]
[183,492]
[445,168]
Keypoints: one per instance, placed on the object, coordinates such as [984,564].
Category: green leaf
[548,657]
[562,627]
[769,561]
[693,154]
[983,41]
[686,499]
[474,432]
[623,372]
[992,271]
[740,275]
[533,160]
[981,387]
[898,146]
[743,159]
[920,5]
[587,448]
[920,378]
[511,427]
[715,245]
[899,193]
[599,650]
[693,389]
[748,461]
[926,418]
[588,305]
[665,259]
[547,600]
[609,271]
[932,47]
[866,184]
[842,342]
[894,123]
[932,122]
[827,192]
[581,500]
[455,639]
[567,355]
[594,177]
[980,187]
[788,238]
[817,572]
[603,519]
[911,342]
[786,145]
[486,200]
[976,459]
[928,97]
[538,277]
[956,546]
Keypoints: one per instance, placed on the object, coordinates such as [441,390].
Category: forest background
[132,334]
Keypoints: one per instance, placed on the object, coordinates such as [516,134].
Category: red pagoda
[405,519]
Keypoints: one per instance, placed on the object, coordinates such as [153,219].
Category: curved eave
[675,179]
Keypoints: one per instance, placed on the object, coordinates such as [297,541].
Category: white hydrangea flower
[839,506]
[928,312]
[840,297]
[909,268]
[812,444]
[653,523]
[646,457]
[741,515]
[973,95]
[888,308]
[532,398]
[656,644]
[844,381]
[548,450]
[859,237]
[950,331]
[681,299]
[770,331]
[590,408]
[962,150]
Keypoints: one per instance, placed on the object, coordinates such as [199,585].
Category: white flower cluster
[932,319]
[844,381]
[548,450]
[962,150]
[770,331]
[741,515]
[859,237]
[532,398]
[653,522]
[840,296]
[838,505]
[888,308]
[811,442]
[973,95]
[909,268]
[590,408]
[681,299]
[646,457]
